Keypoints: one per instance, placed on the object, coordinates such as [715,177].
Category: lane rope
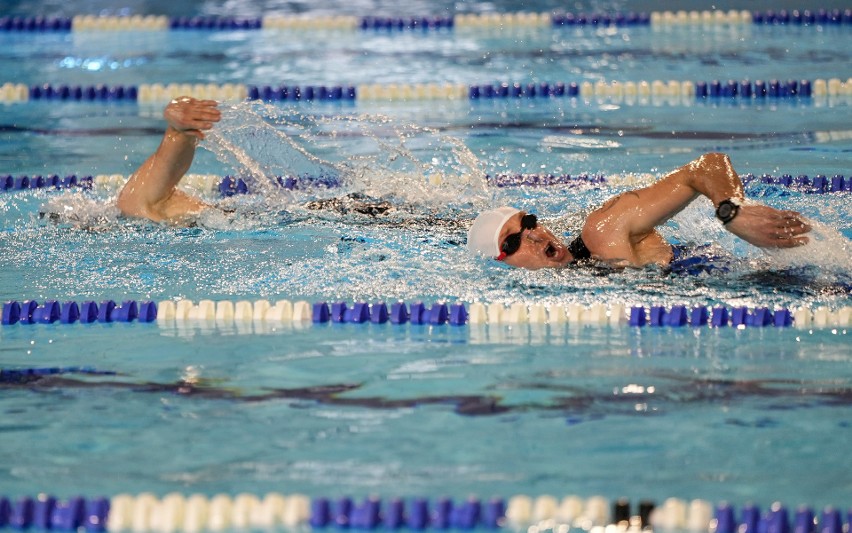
[643,92]
[462,21]
[210,186]
[439,313]
[175,512]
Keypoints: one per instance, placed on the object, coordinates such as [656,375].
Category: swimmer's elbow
[717,155]
[714,160]
[125,204]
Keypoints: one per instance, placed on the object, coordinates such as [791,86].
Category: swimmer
[622,232]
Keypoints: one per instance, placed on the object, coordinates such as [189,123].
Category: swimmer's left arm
[151,190]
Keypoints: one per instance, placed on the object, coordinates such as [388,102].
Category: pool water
[355,410]
[754,414]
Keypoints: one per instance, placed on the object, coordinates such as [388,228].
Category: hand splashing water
[827,248]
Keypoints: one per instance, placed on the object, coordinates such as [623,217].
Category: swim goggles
[513,242]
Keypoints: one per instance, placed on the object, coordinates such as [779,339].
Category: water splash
[369,154]
[246,141]
[827,248]
[79,210]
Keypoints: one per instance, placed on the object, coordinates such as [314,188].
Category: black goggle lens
[513,241]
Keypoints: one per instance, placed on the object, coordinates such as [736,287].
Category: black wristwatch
[728,210]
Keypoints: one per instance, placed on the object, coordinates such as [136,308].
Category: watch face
[726,211]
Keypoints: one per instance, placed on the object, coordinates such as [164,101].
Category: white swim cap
[483,237]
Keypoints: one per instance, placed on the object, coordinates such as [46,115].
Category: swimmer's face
[539,247]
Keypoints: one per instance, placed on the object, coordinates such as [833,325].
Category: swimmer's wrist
[728,209]
[173,133]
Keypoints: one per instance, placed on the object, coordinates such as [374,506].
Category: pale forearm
[155,180]
[172,159]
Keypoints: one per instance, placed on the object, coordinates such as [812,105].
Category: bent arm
[713,176]
[710,175]
[151,191]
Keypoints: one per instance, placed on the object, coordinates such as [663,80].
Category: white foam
[81,211]
[827,249]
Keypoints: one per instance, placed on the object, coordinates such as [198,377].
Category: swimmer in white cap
[622,232]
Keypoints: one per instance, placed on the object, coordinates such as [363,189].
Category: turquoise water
[738,415]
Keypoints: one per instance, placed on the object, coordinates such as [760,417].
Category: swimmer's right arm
[151,191]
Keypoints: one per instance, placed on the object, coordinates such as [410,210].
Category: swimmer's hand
[191,116]
[767,227]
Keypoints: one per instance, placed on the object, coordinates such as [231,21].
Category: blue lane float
[601,19]
[35,24]
[231,185]
[45,512]
[754,90]
[717,317]
[52,311]
[215,23]
[90,93]
[20,183]
[294,93]
[24,375]
[405,23]
[805,17]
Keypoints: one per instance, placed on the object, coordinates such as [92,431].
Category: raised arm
[637,213]
[151,191]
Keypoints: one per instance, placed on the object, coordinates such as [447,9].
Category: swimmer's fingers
[192,116]
[190,101]
[788,237]
[791,223]
[206,110]
[790,227]
[208,103]
[789,233]
[789,242]
[195,119]
[788,215]
[769,228]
